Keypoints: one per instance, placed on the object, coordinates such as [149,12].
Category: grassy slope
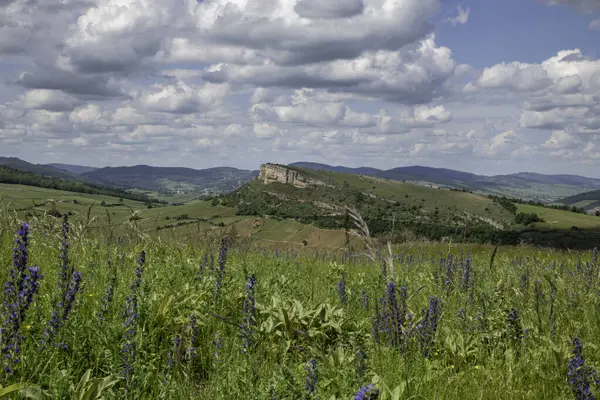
[19,197]
[479,356]
[558,219]
[407,194]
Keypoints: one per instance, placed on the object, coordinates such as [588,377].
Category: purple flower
[220,272]
[369,392]
[130,314]
[310,382]
[579,375]
[515,331]
[428,326]
[106,301]
[361,363]
[60,315]
[218,343]
[342,289]
[63,271]
[173,355]
[365,300]
[249,317]
[467,273]
[194,337]
[19,292]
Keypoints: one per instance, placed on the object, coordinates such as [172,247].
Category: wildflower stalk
[19,292]
[130,315]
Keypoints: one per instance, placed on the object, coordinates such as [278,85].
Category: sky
[483,86]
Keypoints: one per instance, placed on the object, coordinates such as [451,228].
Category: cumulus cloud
[182,98]
[315,9]
[462,16]
[516,76]
[579,5]
[560,92]
[240,81]
[412,75]
[50,100]
[594,25]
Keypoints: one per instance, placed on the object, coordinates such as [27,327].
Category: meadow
[101,314]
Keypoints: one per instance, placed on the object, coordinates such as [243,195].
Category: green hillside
[388,207]
[559,219]
[587,200]
[196,218]
[14,176]
[282,214]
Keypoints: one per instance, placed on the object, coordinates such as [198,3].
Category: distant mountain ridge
[173,179]
[526,185]
[74,169]
[39,169]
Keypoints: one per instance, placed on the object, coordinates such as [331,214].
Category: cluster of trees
[505,203]
[12,176]
[527,218]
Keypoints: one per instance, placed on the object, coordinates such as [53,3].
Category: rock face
[270,173]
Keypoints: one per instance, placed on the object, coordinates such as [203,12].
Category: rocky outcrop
[270,173]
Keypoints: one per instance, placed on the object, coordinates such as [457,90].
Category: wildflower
[515,331]
[222,260]
[60,315]
[342,289]
[130,314]
[369,392]
[203,267]
[428,327]
[365,300]
[63,271]
[361,363]
[310,382]
[393,315]
[106,301]
[249,318]
[218,343]
[384,272]
[580,375]
[18,294]
[173,355]
[467,273]
[194,336]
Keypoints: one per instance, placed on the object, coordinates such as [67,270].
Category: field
[219,317]
[193,218]
[558,219]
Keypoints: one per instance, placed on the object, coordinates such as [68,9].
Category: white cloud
[579,5]
[265,130]
[560,92]
[243,81]
[594,25]
[462,16]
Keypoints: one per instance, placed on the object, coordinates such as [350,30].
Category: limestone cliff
[270,173]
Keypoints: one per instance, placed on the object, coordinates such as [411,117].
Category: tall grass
[444,322]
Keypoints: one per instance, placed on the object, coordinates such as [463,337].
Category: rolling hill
[13,176]
[172,179]
[166,181]
[39,169]
[590,201]
[74,169]
[401,210]
[389,207]
[525,185]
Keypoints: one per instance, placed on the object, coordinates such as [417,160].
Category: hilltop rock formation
[270,173]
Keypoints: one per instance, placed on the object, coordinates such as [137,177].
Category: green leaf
[6,391]
[84,380]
